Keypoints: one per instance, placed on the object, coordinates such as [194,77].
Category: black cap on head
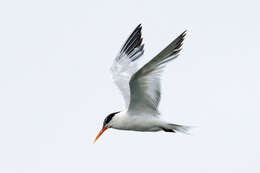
[109,118]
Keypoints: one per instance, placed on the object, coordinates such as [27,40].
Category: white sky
[55,86]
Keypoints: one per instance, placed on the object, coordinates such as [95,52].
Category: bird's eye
[109,118]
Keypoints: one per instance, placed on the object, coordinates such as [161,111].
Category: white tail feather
[179,128]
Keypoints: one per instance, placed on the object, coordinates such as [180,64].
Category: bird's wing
[145,83]
[124,65]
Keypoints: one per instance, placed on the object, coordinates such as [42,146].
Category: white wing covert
[124,65]
[145,83]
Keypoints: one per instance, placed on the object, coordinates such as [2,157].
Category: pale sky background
[55,86]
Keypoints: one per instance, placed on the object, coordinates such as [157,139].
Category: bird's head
[106,124]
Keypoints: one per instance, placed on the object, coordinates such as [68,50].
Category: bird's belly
[137,123]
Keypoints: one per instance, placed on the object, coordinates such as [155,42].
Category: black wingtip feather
[133,41]
[179,42]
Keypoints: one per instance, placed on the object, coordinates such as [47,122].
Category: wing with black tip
[145,83]
[124,65]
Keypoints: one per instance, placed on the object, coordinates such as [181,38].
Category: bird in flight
[141,87]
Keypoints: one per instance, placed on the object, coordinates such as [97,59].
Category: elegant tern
[141,87]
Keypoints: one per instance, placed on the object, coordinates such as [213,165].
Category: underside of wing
[124,65]
[145,83]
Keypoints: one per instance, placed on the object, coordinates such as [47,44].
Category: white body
[127,121]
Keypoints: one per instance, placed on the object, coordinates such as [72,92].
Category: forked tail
[177,128]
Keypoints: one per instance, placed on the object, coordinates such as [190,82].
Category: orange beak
[100,133]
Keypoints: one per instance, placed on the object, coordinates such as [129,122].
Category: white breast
[125,121]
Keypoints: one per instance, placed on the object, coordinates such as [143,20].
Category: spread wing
[124,65]
[145,83]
